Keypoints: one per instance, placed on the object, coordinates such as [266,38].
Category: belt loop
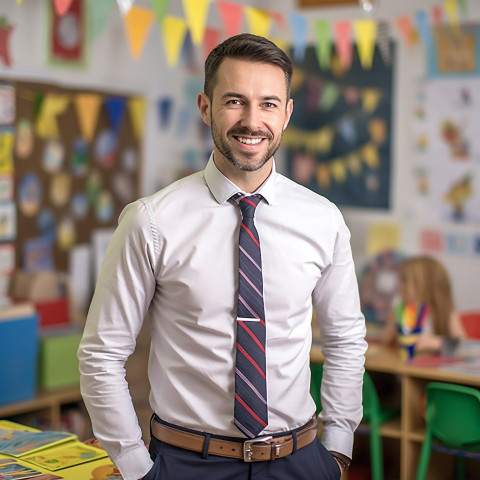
[294,438]
[152,419]
[206,444]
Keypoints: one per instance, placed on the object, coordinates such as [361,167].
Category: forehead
[250,79]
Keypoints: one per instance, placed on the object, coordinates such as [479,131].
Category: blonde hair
[431,284]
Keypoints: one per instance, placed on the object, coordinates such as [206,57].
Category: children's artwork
[338,139]
[67,35]
[15,471]
[6,187]
[7,258]
[8,221]
[7,104]
[6,150]
[67,455]
[450,160]
[38,254]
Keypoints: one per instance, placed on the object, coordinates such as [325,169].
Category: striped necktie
[250,412]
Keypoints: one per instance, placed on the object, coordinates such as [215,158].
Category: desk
[410,429]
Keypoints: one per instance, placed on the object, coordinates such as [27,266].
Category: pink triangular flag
[437,14]
[210,40]
[343,42]
[404,24]
[62,6]
[231,15]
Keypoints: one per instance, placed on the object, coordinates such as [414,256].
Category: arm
[122,296]
[389,331]
[342,325]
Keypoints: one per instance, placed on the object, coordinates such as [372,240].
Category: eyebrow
[243,97]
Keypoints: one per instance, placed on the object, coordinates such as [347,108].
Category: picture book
[65,455]
[17,440]
[11,469]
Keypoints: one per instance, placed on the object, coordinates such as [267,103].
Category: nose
[251,118]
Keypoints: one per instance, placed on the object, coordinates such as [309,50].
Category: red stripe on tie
[251,360]
[251,234]
[257,341]
[246,199]
[250,411]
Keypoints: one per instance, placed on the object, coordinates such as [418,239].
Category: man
[230,303]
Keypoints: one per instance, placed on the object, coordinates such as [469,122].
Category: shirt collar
[222,188]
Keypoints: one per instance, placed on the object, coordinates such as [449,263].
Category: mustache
[239,132]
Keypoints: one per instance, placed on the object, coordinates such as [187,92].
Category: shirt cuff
[134,463]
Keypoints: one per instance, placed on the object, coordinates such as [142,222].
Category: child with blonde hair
[425,308]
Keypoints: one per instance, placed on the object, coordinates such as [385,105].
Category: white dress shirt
[174,256]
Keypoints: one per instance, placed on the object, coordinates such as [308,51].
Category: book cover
[65,455]
[17,441]
[11,469]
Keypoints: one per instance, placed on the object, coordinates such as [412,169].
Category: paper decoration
[196,12]
[24,138]
[431,241]
[30,194]
[115,107]
[62,6]
[6,187]
[53,105]
[37,254]
[5,33]
[160,8]
[423,27]
[210,40]
[382,236]
[138,22]
[7,104]
[300,30]
[6,147]
[173,32]
[343,42]
[451,11]
[53,155]
[164,106]
[124,6]
[259,22]
[323,43]
[60,189]
[365,34]
[7,259]
[383,41]
[437,14]
[371,98]
[136,107]
[87,106]
[404,24]
[98,15]
[8,224]
[231,15]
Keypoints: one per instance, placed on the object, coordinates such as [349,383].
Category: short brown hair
[246,47]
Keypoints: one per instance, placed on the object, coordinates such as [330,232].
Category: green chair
[374,414]
[452,418]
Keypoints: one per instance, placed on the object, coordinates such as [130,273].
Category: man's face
[247,114]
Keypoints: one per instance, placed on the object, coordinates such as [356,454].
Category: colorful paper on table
[15,471]
[66,455]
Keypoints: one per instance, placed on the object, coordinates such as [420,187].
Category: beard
[244,161]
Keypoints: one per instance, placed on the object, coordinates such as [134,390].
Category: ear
[288,113]
[204,106]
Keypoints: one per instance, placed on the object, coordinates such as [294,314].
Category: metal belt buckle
[247,447]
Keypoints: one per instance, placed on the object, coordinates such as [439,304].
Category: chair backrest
[471,322]
[453,414]
[316,370]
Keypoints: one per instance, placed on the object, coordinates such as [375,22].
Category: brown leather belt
[254,450]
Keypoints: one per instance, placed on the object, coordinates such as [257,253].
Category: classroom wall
[110,66]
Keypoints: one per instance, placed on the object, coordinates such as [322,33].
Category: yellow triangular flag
[87,106]
[365,34]
[6,147]
[370,155]
[259,22]
[174,29]
[137,23]
[354,164]
[281,43]
[196,16]
[450,7]
[370,99]
[52,106]
[136,108]
[338,170]
[323,139]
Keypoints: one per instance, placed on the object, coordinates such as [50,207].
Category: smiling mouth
[249,141]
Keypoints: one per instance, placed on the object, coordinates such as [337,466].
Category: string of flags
[341,34]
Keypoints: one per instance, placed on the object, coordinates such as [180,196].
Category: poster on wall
[447,148]
[338,141]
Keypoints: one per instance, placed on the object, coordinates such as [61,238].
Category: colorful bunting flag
[125,6]
[210,41]
[87,106]
[437,14]
[196,12]
[138,22]
[164,106]
[300,31]
[365,34]
[323,43]
[259,21]
[423,27]
[173,31]
[160,8]
[52,106]
[404,24]
[62,6]
[450,7]
[231,15]
[98,15]
[115,107]
[343,42]
[5,33]
[383,41]
[136,108]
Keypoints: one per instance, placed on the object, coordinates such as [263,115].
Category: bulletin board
[338,141]
[77,163]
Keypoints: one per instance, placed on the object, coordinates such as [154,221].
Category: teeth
[249,141]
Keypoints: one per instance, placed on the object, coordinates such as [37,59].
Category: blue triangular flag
[300,31]
[115,110]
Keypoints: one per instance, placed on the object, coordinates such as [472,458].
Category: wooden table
[409,431]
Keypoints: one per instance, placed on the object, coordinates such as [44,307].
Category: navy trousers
[312,462]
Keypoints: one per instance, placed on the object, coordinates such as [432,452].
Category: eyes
[266,105]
